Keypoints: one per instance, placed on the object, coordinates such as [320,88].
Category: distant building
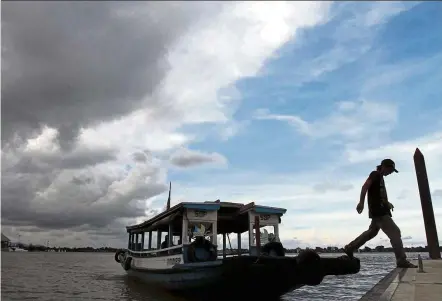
[5,242]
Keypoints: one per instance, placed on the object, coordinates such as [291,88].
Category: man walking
[379,210]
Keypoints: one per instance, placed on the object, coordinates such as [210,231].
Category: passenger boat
[177,250]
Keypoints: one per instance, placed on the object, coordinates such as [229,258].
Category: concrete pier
[409,284]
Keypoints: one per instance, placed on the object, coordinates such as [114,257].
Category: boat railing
[156,252]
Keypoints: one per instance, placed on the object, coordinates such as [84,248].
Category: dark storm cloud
[67,205]
[17,192]
[188,158]
[81,180]
[66,190]
[38,163]
[139,157]
[118,227]
[72,64]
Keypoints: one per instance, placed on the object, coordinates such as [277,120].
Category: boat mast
[168,199]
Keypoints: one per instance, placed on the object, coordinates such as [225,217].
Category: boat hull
[198,283]
[264,276]
[179,280]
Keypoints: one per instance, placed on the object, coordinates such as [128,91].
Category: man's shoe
[348,251]
[405,264]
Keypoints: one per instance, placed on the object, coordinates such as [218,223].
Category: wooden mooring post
[257,236]
[427,205]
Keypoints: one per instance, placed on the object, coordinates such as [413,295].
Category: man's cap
[389,163]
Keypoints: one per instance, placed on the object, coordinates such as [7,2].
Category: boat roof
[228,214]
[4,238]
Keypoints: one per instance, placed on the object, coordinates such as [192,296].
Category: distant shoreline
[328,250]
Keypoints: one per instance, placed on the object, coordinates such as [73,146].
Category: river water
[96,276]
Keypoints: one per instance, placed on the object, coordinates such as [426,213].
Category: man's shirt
[377,196]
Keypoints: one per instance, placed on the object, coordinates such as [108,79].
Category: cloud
[350,34]
[350,120]
[88,88]
[101,62]
[248,36]
[327,216]
[141,156]
[429,145]
[47,195]
[40,155]
[189,158]
[384,10]
[114,99]
[389,75]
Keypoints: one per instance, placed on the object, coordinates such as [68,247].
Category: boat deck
[409,284]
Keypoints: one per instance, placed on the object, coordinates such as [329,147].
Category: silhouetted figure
[379,210]
[165,243]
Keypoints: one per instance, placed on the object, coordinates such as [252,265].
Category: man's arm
[364,190]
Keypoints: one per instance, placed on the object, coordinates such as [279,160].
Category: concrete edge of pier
[385,284]
[409,284]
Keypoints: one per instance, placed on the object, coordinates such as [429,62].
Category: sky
[287,104]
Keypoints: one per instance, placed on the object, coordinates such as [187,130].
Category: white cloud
[386,76]
[363,128]
[232,45]
[430,145]
[384,10]
[137,131]
[44,142]
[204,66]
[328,216]
[352,38]
[352,120]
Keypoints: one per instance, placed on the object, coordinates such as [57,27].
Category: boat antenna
[168,199]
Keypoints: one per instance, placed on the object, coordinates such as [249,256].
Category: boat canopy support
[183,221]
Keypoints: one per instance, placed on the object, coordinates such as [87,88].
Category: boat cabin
[5,243]
[176,231]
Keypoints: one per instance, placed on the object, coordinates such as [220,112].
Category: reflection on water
[96,276]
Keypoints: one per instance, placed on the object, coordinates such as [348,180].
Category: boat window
[164,240]
[267,234]
[245,244]
[153,241]
[196,229]
[232,243]
[177,240]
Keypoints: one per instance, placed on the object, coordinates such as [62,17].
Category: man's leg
[372,231]
[393,232]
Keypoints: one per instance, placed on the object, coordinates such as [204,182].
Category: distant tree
[379,248]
